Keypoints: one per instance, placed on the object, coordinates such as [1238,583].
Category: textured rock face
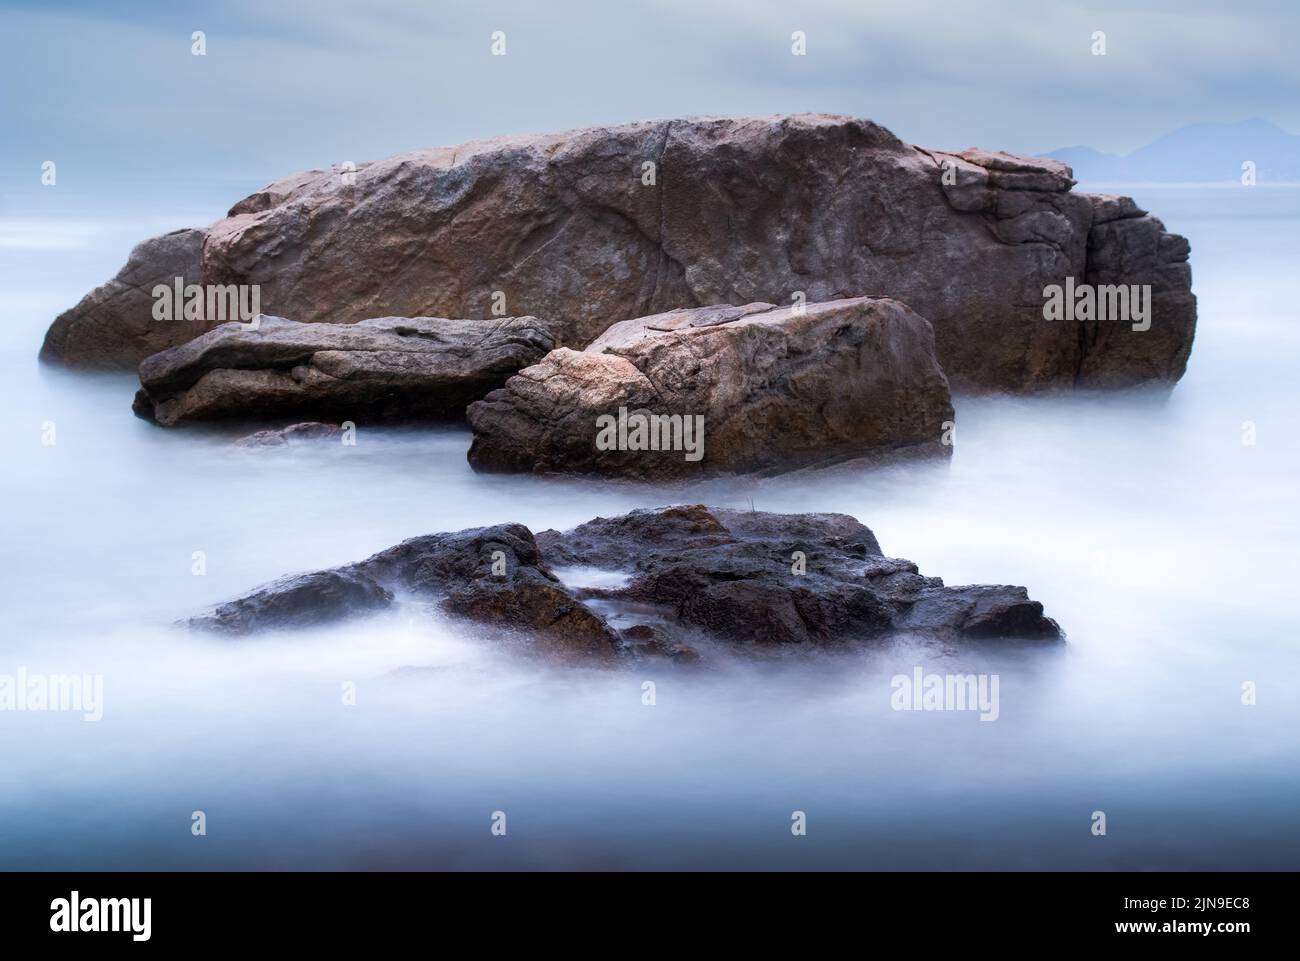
[457,570]
[298,600]
[733,388]
[731,575]
[112,328]
[389,368]
[741,210]
[693,577]
[1126,246]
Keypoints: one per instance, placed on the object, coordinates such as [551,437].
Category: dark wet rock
[308,432]
[298,600]
[495,576]
[394,369]
[758,387]
[732,573]
[647,640]
[490,575]
[741,210]
[707,576]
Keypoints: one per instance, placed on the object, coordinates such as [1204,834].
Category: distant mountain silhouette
[1199,153]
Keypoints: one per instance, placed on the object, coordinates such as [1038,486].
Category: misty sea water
[1163,544]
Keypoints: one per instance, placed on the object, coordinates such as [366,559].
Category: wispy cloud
[309,82]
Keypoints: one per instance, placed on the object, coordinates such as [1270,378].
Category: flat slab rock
[742,210]
[677,580]
[736,389]
[390,369]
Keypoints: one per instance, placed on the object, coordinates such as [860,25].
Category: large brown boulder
[390,369]
[713,389]
[692,578]
[593,226]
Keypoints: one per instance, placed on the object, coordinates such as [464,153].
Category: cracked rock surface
[742,210]
[390,369]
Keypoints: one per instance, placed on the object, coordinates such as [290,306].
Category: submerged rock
[491,575]
[723,389]
[694,576]
[293,434]
[298,600]
[388,368]
[576,227]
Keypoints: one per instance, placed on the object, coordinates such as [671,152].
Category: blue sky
[111,89]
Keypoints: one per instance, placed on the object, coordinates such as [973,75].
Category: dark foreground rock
[389,369]
[723,389]
[490,575]
[574,226]
[690,577]
[298,600]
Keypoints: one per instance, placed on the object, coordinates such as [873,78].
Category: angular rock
[1131,247]
[741,210]
[695,576]
[730,574]
[389,368]
[776,387]
[1108,207]
[298,600]
[457,570]
[112,328]
[646,640]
